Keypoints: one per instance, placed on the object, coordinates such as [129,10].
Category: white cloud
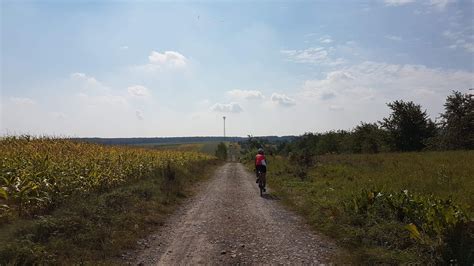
[124,47]
[397,2]
[461,39]
[382,81]
[451,35]
[83,77]
[310,55]
[99,94]
[440,5]
[78,112]
[328,88]
[469,47]
[22,101]
[343,98]
[325,40]
[394,38]
[168,58]
[87,82]
[313,55]
[226,108]
[246,94]
[158,62]
[282,99]
[78,75]
[339,76]
[138,91]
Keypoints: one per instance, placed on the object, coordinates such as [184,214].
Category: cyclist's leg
[263,176]
[258,170]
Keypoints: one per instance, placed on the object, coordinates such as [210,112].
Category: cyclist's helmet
[260,151]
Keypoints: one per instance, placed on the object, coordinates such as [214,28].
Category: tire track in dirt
[229,223]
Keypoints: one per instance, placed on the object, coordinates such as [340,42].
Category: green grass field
[386,208]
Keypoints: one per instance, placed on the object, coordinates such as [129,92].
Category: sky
[144,69]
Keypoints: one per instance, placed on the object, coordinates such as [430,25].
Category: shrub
[434,223]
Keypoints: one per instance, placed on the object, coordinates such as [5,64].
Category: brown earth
[227,222]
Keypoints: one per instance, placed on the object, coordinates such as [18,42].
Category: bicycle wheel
[260,186]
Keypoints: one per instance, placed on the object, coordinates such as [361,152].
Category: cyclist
[261,167]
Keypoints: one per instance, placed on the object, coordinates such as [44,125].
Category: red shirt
[260,160]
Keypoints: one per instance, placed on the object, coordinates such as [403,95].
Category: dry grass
[67,202]
[432,190]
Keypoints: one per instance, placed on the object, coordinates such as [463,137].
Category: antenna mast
[224,125]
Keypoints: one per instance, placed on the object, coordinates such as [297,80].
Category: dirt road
[229,223]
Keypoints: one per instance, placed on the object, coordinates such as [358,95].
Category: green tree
[331,142]
[367,138]
[252,143]
[304,153]
[221,151]
[408,126]
[457,121]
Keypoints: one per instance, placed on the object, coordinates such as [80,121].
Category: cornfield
[37,174]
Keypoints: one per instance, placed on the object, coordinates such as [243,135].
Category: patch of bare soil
[229,223]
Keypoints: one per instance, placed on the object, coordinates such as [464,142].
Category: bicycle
[262,180]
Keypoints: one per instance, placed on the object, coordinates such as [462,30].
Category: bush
[221,151]
[433,223]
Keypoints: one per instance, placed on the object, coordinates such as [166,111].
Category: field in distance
[203,147]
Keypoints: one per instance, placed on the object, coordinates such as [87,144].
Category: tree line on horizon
[407,128]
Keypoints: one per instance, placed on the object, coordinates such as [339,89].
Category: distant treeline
[407,128]
[174,140]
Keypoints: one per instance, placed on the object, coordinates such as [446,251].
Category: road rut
[228,222]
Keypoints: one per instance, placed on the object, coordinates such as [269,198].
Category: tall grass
[390,208]
[36,174]
[66,202]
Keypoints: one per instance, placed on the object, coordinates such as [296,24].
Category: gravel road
[228,222]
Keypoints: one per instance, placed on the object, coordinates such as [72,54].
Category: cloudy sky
[138,68]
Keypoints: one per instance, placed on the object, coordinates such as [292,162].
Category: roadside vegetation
[388,207]
[221,151]
[396,191]
[63,201]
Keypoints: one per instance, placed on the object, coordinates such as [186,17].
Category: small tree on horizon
[457,122]
[221,151]
[367,138]
[408,126]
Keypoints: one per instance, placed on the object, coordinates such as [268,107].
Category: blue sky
[141,68]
